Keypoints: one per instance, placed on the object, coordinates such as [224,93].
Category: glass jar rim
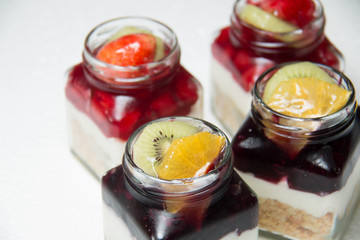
[303,39]
[143,22]
[180,186]
[332,119]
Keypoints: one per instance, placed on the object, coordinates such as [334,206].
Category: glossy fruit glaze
[235,211]
[322,166]
[118,113]
[129,50]
[247,65]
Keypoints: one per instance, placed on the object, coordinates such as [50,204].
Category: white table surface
[45,193]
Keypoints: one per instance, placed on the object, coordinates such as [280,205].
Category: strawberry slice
[129,50]
[297,12]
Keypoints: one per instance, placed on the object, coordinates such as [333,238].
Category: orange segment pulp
[307,97]
[191,156]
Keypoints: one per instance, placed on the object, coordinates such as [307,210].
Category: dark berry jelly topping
[234,212]
[321,166]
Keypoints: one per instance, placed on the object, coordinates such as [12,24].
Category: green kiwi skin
[263,20]
[155,140]
[291,71]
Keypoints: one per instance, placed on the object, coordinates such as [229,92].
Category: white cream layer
[316,205]
[98,152]
[224,81]
[115,228]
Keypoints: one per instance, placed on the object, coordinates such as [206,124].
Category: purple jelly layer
[235,211]
[322,166]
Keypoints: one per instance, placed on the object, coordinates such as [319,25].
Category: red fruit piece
[243,60]
[186,89]
[222,48]
[129,50]
[297,12]
[77,90]
[251,75]
[105,100]
[164,105]
[223,37]
[129,123]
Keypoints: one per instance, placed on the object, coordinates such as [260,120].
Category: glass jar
[241,52]
[305,171]
[216,205]
[106,103]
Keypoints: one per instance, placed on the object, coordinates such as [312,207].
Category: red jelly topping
[246,64]
[118,115]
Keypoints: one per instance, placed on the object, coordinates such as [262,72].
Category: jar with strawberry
[130,74]
[264,33]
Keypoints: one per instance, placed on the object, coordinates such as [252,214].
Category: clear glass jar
[106,103]
[305,171]
[241,52]
[213,206]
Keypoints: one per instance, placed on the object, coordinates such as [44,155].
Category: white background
[45,193]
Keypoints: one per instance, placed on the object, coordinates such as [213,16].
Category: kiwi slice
[261,19]
[160,47]
[127,30]
[154,141]
[291,71]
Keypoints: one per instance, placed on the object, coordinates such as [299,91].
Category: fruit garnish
[160,47]
[154,141]
[296,12]
[263,20]
[295,70]
[132,46]
[301,90]
[191,156]
[307,97]
[186,90]
[280,81]
[129,50]
[127,31]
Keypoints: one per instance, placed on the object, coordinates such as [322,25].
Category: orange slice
[191,156]
[311,94]
[307,97]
